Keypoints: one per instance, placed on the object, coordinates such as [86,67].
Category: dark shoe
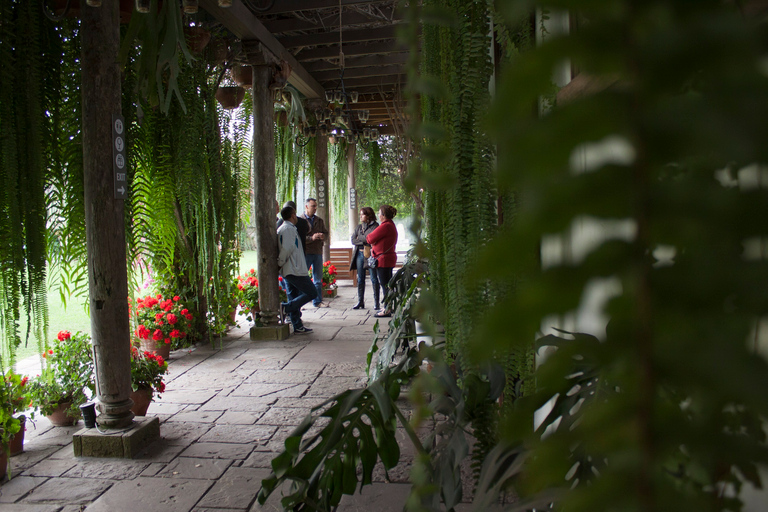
[301,330]
[359,305]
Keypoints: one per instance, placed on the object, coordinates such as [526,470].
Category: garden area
[588,187]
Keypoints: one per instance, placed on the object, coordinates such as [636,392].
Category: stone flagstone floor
[224,416]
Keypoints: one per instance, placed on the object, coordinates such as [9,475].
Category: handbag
[367,251]
[371,261]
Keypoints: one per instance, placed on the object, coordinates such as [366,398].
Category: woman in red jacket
[383,241]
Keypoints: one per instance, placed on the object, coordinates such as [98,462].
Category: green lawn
[74,317]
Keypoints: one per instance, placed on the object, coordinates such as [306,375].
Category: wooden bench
[341,258]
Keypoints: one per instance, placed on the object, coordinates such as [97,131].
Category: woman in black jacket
[360,260]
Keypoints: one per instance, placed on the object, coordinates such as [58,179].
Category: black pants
[384,274]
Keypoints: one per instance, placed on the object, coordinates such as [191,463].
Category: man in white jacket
[293,268]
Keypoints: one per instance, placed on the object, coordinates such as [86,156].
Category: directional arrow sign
[119,160]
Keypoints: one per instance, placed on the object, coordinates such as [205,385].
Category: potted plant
[15,399]
[329,279]
[248,289]
[147,373]
[67,373]
[162,323]
[10,425]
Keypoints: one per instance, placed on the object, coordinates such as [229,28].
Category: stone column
[104,215]
[322,188]
[264,191]
[354,219]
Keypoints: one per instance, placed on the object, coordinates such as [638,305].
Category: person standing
[314,248]
[360,257]
[383,240]
[293,268]
[303,228]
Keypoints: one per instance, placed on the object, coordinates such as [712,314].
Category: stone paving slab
[283,416]
[50,468]
[238,418]
[107,469]
[284,376]
[145,494]
[236,489]
[195,468]
[230,451]
[245,434]
[17,487]
[182,433]
[186,396]
[196,416]
[68,491]
[26,507]
[238,403]
[265,390]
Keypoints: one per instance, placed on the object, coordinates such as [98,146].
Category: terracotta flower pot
[217,51]
[197,38]
[161,349]
[61,417]
[230,97]
[16,446]
[142,397]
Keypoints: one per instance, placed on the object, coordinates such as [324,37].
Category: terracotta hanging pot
[230,97]
[217,51]
[197,38]
[61,417]
[142,397]
[16,445]
[242,75]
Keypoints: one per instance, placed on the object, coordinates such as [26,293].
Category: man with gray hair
[314,248]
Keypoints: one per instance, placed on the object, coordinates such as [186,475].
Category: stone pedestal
[271,332]
[117,443]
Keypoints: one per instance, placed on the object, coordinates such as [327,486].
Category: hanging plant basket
[217,51]
[197,38]
[281,118]
[230,97]
[242,75]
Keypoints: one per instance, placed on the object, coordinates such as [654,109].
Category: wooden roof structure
[311,35]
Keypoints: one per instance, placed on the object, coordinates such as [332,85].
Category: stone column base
[117,443]
[270,332]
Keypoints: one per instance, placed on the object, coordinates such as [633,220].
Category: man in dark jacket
[314,248]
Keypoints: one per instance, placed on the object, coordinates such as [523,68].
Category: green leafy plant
[148,371]
[66,376]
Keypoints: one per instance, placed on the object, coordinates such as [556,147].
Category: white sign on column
[120,162]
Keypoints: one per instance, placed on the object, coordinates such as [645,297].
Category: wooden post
[264,191]
[352,190]
[322,189]
[104,215]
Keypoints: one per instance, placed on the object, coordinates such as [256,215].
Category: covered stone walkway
[224,416]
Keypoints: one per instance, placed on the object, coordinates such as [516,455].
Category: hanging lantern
[352,137]
[366,133]
[93,3]
[353,96]
[142,6]
[324,130]
[363,115]
[329,96]
[374,133]
[337,96]
[225,3]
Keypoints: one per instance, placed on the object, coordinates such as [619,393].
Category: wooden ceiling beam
[348,36]
[330,52]
[351,62]
[282,26]
[324,76]
[289,6]
[354,83]
[239,20]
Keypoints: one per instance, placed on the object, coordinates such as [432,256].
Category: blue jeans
[315,261]
[301,289]
[360,264]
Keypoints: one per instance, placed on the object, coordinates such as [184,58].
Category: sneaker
[302,330]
